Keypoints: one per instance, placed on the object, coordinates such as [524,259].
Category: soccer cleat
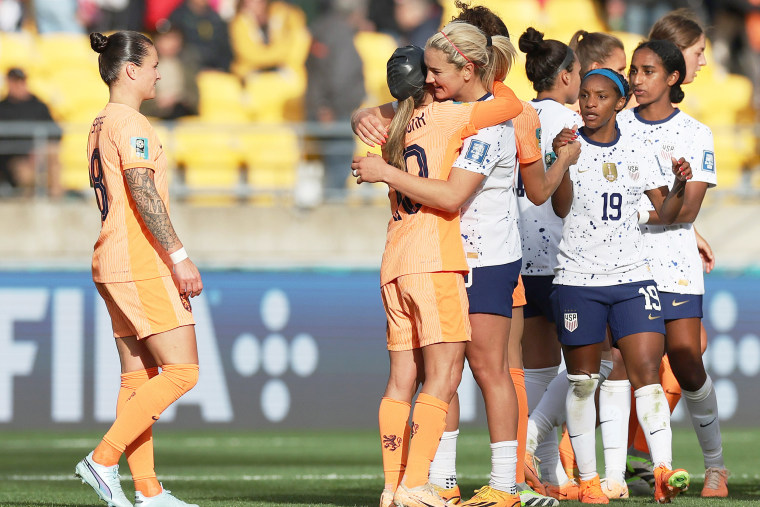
[421,496]
[591,492]
[638,466]
[613,489]
[716,483]
[487,496]
[386,498]
[163,499]
[567,491]
[530,498]
[104,480]
[668,483]
[451,495]
[532,474]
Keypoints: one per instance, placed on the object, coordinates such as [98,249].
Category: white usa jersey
[601,241]
[540,228]
[671,250]
[488,220]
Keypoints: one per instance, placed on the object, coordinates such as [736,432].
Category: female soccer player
[602,277]
[141,270]
[415,264]
[481,180]
[656,70]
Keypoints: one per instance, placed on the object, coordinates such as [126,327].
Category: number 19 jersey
[121,138]
[601,241]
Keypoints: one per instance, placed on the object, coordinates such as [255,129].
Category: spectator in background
[177,90]
[113,15]
[204,31]
[18,165]
[417,20]
[11,14]
[158,11]
[640,15]
[54,16]
[263,35]
[336,85]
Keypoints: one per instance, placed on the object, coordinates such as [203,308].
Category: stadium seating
[221,97]
[275,97]
[18,49]
[375,49]
[271,154]
[75,174]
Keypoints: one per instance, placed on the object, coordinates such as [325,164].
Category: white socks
[443,469]
[581,422]
[614,410]
[536,382]
[703,407]
[504,466]
[654,417]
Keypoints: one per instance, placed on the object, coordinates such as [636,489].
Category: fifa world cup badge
[609,169]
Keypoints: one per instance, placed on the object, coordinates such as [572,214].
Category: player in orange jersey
[141,270]
[421,156]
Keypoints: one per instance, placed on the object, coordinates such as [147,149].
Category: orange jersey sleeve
[121,139]
[528,135]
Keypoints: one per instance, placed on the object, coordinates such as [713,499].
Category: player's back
[120,139]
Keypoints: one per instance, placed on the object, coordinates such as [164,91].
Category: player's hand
[681,168]
[188,278]
[705,253]
[369,169]
[369,128]
[565,136]
[571,150]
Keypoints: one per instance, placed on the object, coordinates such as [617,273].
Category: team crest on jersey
[666,151]
[633,171]
[609,169]
[708,161]
[477,151]
[571,321]
[140,144]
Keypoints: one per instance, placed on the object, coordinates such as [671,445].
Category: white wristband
[178,256]
[643,216]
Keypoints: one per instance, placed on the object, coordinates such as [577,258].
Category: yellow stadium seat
[18,49]
[209,156]
[75,95]
[374,49]
[66,52]
[75,171]
[274,97]
[565,17]
[271,154]
[221,97]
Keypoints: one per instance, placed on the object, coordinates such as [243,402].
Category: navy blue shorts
[538,291]
[490,288]
[681,306]
[582,313]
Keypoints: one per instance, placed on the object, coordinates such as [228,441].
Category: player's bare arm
[151,207]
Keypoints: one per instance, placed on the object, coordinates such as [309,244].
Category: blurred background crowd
[255,96]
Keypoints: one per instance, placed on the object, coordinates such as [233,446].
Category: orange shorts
[426,308]
[518,295]
[145,307]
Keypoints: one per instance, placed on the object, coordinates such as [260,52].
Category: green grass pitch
[335,468]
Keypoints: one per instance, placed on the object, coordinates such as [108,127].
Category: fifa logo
[609,169]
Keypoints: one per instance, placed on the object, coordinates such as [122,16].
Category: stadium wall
[290,325]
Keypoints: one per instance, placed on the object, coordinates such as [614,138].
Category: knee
[182,376]
[583,387]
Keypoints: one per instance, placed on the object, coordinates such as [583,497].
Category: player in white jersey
[602,277]
[656,73]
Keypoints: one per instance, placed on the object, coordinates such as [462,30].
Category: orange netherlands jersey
[422,239]
[528,134]
[120,139]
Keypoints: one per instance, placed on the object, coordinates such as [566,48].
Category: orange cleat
[716,483]
[421,496]
[451,495]
[386,498]
[614,490]
[532,475]
[487,496]
[668,483]
[567,491]
[591,492]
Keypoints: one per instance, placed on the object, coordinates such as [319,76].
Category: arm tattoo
[151,208]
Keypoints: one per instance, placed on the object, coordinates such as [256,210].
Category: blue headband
[610,75]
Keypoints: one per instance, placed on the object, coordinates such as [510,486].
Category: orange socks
[140,452]
[518,379]
[567,456]
[428,423]
[144,408]
[394,439]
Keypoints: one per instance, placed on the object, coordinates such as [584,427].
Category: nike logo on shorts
[679,303]
[654,318]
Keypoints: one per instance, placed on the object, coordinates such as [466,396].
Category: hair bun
[98,42]
[531,41]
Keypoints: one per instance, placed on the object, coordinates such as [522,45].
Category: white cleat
[164,499]
[104,480]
